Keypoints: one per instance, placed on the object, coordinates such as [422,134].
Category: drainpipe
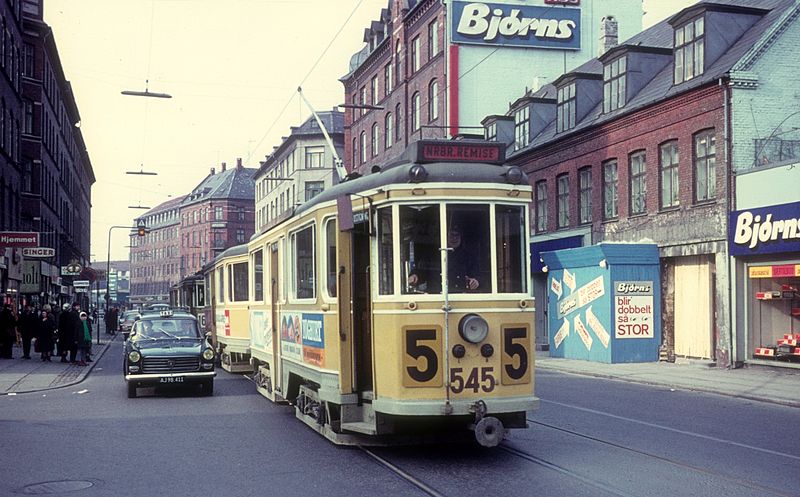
[726,94]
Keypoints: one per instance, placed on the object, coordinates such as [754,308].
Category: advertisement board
[765,230]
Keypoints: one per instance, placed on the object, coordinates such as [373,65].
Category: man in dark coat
[66,330]
[77,332]
[8,332]
[28,327]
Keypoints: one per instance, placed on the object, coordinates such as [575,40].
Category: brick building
[155,258]
[428,70]
[636,146]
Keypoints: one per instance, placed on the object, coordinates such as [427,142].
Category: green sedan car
[167,349]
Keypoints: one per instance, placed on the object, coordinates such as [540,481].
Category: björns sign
[516,25]
[766,230]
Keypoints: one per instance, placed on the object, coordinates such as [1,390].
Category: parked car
[126,321]
[168,349]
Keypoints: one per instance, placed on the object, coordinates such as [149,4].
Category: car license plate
[171,379]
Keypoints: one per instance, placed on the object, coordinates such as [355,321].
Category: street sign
[81,290]
[38,252]
[80,283]
[19,239]
[71,269]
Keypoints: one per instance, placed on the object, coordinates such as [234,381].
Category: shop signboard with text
[765,230]
[19,239]
[526,26]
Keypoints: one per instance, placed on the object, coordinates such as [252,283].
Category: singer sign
[516,25]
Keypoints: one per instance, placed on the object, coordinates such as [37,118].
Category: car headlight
[134,356]
[473,328]
[208,354]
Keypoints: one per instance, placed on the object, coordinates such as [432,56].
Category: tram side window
[385,252]
[421,270]
[511,267]
[220,285]
[207,287]
[304,281]
[258,275]
[200,295]
[330,256]
[239,283]
[469,268]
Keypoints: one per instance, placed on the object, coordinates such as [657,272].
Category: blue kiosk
[604,302]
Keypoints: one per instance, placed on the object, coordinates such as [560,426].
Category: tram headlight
[134,356]
[417,174]
[514,175]
[473,328]
[208,354]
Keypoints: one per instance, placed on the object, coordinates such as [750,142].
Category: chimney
[608,34]
[238,163]
[223,167]
[213,171]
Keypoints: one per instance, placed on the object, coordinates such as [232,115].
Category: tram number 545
[474,382]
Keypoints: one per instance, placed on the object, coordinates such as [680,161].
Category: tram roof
[232,251]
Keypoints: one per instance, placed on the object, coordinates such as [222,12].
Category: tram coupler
[489,431]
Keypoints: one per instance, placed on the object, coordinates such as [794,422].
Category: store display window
[774,311]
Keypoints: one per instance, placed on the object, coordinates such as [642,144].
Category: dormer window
[522,135]
[689,50]
[565,108]
[490,132]
[614,95]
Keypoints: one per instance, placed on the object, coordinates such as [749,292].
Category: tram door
[276,339]
[362,309]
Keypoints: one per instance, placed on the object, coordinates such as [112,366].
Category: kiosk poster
[633,306]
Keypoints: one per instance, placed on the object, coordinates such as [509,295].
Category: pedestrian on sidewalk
[77,332]
[66,330]
[47,329]
[85,340]
[8,332]
[28,328]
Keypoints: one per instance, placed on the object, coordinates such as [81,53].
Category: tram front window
[419,249]
[469,266]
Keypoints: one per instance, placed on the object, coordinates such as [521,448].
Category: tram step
[361,427]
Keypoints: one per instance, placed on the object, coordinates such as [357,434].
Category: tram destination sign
[19,239]
[448,151]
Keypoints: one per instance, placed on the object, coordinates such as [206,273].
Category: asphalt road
[590,438]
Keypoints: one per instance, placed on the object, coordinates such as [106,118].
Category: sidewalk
[19,375]
[766,384]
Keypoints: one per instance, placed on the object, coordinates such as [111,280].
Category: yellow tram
[227,279]
[396,306]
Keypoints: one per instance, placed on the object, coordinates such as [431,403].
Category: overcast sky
[232,67]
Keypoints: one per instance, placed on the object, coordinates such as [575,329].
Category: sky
[232,67]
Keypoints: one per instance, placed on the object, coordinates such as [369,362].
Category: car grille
[170,364]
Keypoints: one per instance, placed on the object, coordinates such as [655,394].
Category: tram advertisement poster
[303,337]
[261,330]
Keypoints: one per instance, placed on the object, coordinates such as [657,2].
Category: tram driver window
[304,281]
[419,249]
[469,268]
[510,246]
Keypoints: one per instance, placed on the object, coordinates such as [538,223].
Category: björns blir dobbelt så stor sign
[516,25]
[765,230]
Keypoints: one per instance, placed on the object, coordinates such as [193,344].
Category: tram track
[402,474]
[680,464]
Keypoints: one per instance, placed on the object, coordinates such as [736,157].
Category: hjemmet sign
[516,25]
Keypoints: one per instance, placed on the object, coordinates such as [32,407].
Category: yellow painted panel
[693,300]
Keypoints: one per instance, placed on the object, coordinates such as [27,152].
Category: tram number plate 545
[474,379]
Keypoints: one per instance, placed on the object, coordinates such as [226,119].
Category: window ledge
[638,215]
[674,208]
[705,203]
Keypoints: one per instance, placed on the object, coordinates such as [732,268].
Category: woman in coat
[44,339]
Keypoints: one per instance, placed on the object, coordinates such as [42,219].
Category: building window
[610,199]
[490,132]
[433,100]
[562,200]
[565,108]
[522,135]
[705,176]
[363,147]
[541,206]
[363,99]
[433,39]
[397,123]
[240,213]
[689,50]
[240,236]
[614,84]
[374,139]
[638,188]
[388,132]
[585,194]
[314,188]
[415,55]
[374,89]
[27,118]
[669,174]
[398,51]
[388,79]
[415,108]
[315,157]
[28,64]
[218,215]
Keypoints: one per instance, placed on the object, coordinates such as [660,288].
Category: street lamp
[146,92]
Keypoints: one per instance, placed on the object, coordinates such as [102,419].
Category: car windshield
[167,328]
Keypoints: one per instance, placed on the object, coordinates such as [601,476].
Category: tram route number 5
[421,358]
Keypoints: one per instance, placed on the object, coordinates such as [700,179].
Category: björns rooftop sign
[516,25]
[766,230]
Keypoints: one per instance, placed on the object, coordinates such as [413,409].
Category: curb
[81,377]
[605,376]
